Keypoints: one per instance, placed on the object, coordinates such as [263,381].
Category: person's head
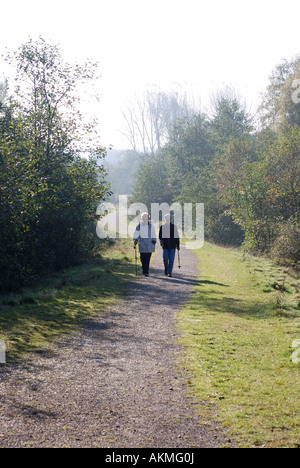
[167,218]
[145,217]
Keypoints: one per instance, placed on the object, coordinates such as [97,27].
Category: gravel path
[116,383]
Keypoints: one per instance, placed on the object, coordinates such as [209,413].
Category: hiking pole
[136,265]
[179,266]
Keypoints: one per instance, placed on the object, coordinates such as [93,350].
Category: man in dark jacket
[169,240]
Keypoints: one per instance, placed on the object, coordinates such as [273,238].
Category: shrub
[286,248]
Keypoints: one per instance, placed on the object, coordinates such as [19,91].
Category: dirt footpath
[114,384]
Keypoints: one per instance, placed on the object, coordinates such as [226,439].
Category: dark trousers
[145,259]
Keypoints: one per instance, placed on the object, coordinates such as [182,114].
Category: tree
[151,181]
[242,188]
[150,120]
[282,161]
[230,119]
[3,88]
[48,192]
[189,153]
[262,193]
[46,94]
[280,106]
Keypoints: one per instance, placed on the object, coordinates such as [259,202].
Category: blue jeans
[169,257]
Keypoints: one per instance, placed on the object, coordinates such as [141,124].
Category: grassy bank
[238,329]
[58,304]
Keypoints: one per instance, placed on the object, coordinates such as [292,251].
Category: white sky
[200,45]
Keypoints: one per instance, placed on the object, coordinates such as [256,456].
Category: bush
[286,248]
[221,229]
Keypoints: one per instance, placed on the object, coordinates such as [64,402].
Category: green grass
[58,304]
[238,330]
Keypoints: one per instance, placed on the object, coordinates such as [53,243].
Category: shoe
[170,275]
[146,274]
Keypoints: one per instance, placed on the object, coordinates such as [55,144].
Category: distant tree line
[121,171]
[48,192]
[247,176]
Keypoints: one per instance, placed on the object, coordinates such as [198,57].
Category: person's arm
[136,235]
[160,236]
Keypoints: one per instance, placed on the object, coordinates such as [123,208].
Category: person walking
[145,236]
[170,241]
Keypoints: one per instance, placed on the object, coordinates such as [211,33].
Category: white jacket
[146,236]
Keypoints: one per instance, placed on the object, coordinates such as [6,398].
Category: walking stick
[136,265]
[179,266]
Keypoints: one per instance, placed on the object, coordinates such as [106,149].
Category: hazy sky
[200,46]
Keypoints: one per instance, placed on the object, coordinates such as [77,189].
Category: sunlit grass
[59,303]
[238,331]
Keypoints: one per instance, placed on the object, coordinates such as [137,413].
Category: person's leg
[144,262]
[166,260]
[145,259]
[171,260]
[147,262]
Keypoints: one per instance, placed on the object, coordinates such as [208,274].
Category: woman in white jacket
[145,236]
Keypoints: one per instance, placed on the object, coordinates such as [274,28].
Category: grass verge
[58,304]
[238,330]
